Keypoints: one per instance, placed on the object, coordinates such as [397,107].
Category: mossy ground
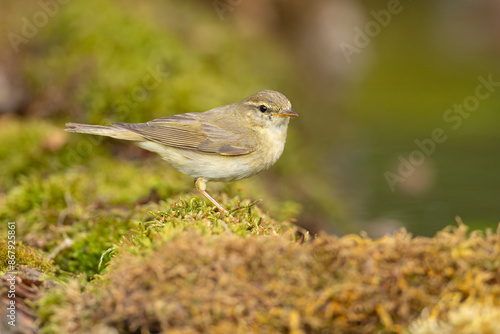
[200,278]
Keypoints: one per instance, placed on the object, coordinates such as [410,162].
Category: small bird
[227,143]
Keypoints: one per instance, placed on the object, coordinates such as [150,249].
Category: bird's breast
[272,144]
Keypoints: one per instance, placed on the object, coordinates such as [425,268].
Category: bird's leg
[201,186]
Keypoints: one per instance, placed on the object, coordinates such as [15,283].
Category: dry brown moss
[227,284]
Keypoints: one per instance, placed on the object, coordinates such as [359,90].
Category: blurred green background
[368,79]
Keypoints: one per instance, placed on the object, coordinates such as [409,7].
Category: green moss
[193,217]
[23,150]
[187,279]
[24,255]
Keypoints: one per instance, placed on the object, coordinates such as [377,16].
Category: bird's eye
[263,108]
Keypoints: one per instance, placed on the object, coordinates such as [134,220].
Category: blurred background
[398,104]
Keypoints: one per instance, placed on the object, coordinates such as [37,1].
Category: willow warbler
[227,143]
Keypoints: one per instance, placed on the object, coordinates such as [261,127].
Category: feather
[190,131]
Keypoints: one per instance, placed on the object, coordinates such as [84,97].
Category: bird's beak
[287,113]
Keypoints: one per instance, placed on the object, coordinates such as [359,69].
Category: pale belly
[213,167]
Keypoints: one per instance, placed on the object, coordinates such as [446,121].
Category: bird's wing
[189,131]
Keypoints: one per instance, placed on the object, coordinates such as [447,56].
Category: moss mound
[24,256]
[226,284]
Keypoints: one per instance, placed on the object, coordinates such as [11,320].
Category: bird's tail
[100,130]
